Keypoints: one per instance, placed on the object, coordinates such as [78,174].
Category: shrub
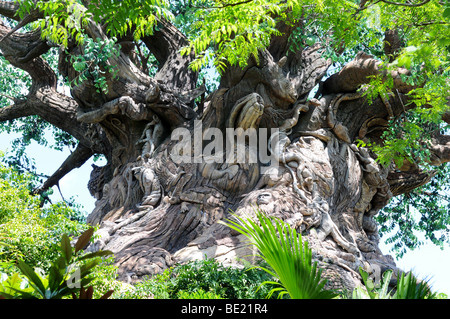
[407,287]
[28,231]
[202,278]
[198,294]
[68,274]
[228,282]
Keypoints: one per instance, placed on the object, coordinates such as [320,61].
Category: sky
[427,262]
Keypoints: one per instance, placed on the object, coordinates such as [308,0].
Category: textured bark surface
[154,211]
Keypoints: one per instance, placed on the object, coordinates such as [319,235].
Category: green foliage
[289,258]
[62,19]
[407,287]
[198,294]
[104,278]
[371,289]
[94,62]
[236,29]
[30,232]
[405,139]
[228,282]
[13,82]
[120,17]
[68,274]
[426,55]
[423,212]
[202,279]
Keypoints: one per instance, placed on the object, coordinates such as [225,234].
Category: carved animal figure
[96,181]
[328,227]
[150,184]
[151,137]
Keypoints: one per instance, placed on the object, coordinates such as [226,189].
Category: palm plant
[289,258]
[408,287]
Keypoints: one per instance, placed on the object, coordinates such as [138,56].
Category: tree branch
[9,9]
[22,50]
[75,160]
[404,182]
[61,111]
[34,15]
[358,72]
[440,149]
[17,110]
[225,5]
[165,44]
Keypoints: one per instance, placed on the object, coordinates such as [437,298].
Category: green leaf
[84,239]
[32,277]
[446,13]
[22,294]
[100,253]
[66,248]
[283,249]
[56,273]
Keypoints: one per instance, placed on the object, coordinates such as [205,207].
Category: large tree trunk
[155,210]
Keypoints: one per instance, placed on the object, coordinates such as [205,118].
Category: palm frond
[283,249]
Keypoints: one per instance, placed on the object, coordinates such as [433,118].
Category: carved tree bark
[155,211]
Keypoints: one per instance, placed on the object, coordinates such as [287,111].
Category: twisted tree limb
[75,160]
[358,72]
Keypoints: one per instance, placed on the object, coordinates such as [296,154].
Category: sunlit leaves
[405,139]
[236,30]
[69,273]
[29,231]
[422,214]
[407,287]
[67,19]
[94,63]
[14,83]
[425,51]
[120,17]
[62,19]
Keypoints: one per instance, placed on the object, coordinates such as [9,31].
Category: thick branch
[9,9]
[31,17]
[392,44]
[446,116]
[279,45]
[61,111]
[17,110]
[440,149]
[23,51]
[124,105]
[405,182]
[358,72]
[75,160]
[165,44]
